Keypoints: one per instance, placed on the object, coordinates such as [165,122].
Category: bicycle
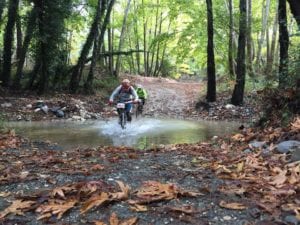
[139,109]
[121,108]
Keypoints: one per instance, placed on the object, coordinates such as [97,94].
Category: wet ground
[47,167]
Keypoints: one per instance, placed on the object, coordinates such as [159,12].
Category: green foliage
[294,57]
[2,122]
[167,68]
[106,84]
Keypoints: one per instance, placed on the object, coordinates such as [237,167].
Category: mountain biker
[124,93]
[142,93]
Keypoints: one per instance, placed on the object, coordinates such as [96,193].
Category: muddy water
[142,134]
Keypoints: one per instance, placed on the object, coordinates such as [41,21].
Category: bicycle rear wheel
[139,110]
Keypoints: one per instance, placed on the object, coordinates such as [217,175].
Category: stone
[287,146]
[45,109]
[257,144]
[227,218]
[229,106]
[247,151]
[59,113]
[295,155]
[6,105]
[290,219]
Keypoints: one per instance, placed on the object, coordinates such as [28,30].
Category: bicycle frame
[121,106]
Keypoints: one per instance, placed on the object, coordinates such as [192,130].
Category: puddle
[143,133]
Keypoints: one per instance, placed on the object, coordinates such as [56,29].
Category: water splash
[140,128]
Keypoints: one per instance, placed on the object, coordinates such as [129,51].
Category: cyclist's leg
[128,111]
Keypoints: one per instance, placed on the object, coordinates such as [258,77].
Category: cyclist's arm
[135,96]
[145,93]
[115,92]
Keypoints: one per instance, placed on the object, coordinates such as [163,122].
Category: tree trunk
[163,53]
[284,44]
[29,32]
[270,58]
[230,44]
[145,41]
[110,49]
[8,42]
[295,8]
[155,72]
[43,79]
[137,45]
[118,61]
[249,38]
[211,74]
[2,6]
[19,37]
[238,92]
[265,16]
[77,71]
[105,23]
[89,82]
[152,47]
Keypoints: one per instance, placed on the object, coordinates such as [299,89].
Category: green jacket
[141,93]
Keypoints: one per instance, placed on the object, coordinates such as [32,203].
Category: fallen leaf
[113,220]
[279,179]
[99,223]
[238,137]
[152,191]
[232,205]
[60,191]
[16,208]
[233,190]
[131,221]
[94,201]
[55,207]
[240,167]
[123,195]
[5,194]
[139,208]
[97,167]
[183,209]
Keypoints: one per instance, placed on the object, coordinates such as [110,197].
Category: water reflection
[142,134]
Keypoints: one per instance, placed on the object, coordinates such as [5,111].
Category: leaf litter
[83,181]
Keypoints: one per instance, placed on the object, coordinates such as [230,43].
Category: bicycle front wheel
[123,120]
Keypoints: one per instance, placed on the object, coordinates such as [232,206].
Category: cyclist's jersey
[124,95]
[141,93]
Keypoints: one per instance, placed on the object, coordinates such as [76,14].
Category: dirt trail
[168,97]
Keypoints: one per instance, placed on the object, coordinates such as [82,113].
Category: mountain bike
[121,108]
[139,109]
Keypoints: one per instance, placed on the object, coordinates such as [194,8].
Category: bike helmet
[126,83]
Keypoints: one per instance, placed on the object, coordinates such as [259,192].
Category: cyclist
[142,93]
[124,93]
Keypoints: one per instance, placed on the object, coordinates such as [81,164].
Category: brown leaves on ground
[9,140]
[104,197]
[17,207]
[265,179]
[153,191]
[55,207]
[93,194]
[114,220]
[232,205]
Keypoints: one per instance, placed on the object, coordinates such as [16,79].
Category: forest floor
[237,179]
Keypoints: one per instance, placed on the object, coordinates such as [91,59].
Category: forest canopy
[59,44]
